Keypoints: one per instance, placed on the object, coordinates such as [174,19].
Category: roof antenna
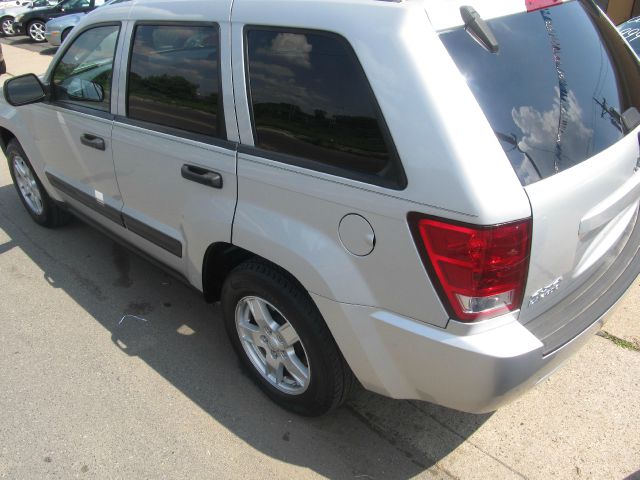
[478,29]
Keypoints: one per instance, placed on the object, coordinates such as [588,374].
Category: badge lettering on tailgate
[545,291]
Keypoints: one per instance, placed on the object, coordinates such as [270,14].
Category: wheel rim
[7,27]
[272,345]
[27,185]
[36,31]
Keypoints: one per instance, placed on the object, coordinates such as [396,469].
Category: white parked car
[16,3]
[438,201]
[57,29]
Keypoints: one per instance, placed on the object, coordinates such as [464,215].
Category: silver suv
[438,201]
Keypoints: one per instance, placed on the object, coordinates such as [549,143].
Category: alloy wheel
[272,345]
[29,189]
[7,27]
[36,31]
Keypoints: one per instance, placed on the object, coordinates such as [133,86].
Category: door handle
[201,175]
[93,141]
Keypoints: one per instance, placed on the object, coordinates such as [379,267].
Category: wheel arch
[218,262]
[6,136]
[219,259]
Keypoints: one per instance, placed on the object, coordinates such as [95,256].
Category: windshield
[555,91]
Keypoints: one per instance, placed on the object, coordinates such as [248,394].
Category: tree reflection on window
[310,99]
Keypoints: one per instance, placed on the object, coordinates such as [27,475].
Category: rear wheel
[36,30]
[6,26]
[34,197]
[283,341]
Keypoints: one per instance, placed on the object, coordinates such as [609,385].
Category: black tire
[36,37]
[330,378]
[52,215]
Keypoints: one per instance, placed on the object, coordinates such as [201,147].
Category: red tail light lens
[533,5]
[481,271]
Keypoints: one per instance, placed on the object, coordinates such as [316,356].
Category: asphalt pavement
[111,369]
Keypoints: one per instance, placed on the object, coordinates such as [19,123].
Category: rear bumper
[402,358]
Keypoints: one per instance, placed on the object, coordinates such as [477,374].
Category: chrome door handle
[93,141]
[201,175]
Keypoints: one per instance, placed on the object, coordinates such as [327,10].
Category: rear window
[555,91]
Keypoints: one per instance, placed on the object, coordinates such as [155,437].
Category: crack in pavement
[620,342]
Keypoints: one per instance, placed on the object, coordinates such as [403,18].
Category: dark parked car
[630,30]
[32,23]
[8,14]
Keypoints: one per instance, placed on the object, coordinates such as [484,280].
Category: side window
[174,78]
[83,75]
[76,4]
[311,100]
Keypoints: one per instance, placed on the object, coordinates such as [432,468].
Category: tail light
[480,271]
[533,5]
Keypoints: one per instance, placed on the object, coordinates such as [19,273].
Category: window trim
[176,132]
[51,100]
[397,183]
[157,127]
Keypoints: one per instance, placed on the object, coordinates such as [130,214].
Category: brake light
[533,5]
[480,271]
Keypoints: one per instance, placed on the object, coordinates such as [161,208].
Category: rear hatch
[560,95]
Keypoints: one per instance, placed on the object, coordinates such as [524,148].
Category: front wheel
[34,197]
[36,30]
[283,341]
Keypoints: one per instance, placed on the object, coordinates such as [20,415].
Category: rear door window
[174,78]
[557,88]
[312,104]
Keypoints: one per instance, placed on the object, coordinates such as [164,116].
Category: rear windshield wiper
[479,29]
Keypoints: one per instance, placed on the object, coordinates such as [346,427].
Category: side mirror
[85,90]
[24,90]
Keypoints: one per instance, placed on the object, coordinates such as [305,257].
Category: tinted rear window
[555,91]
